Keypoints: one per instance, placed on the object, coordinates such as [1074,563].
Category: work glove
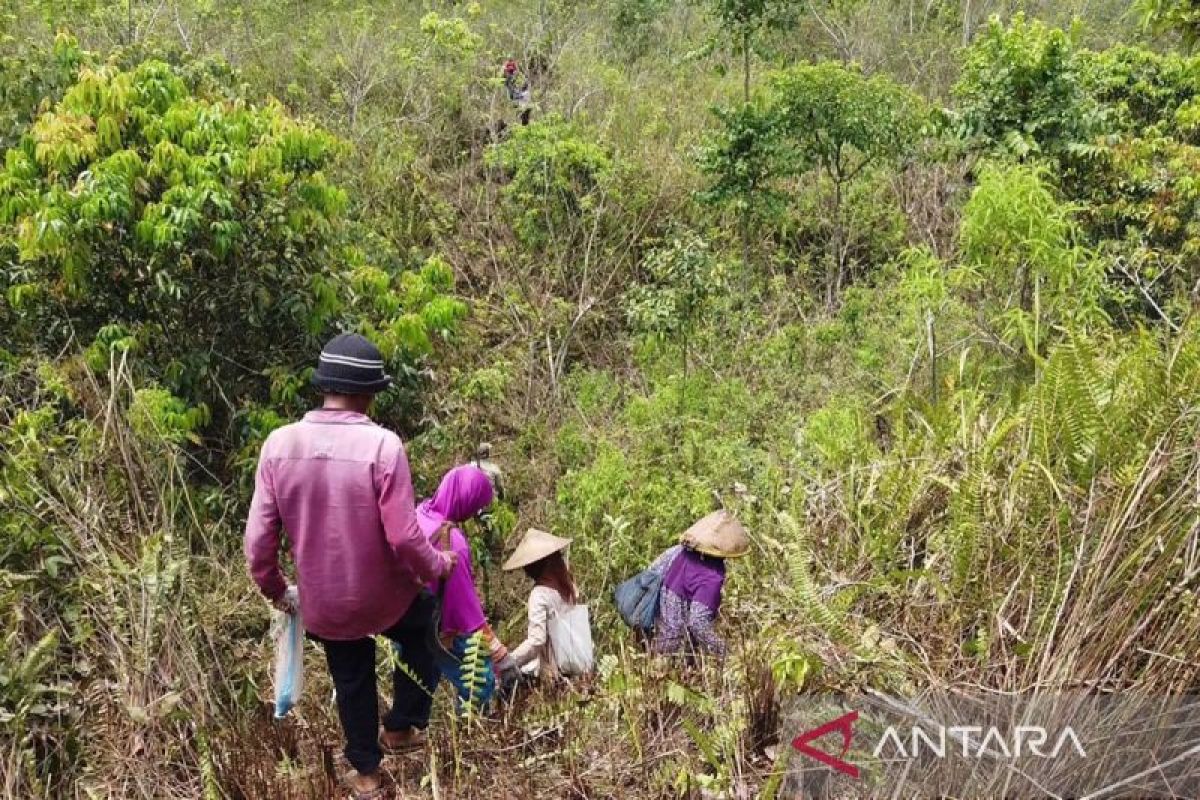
[289,603]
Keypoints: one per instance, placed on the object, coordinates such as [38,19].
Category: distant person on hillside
[518,90]
[339,485]
[464,492]
[554,595]
[693,578]
[483,460]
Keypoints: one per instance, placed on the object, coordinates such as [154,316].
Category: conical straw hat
[719,534]
[534,546]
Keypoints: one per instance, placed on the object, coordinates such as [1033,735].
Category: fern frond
[1085,398]
[804,588]
[471,674]
[969,511]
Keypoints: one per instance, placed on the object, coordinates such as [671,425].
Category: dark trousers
[352,666]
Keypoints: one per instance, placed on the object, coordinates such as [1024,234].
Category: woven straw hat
[534,546]
[719,534]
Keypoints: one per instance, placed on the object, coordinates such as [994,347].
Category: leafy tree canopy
[1022,87]
[842,120]
[1120,127]
[197,232]
[741,158]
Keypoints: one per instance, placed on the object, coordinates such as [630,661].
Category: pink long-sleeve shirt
[339,485]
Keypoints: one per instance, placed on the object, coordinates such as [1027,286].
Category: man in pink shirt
[339,485]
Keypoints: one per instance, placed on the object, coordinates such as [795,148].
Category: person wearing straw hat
[693,577]
[540,555]
[339,485]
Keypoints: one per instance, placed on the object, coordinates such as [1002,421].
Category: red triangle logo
[843,725]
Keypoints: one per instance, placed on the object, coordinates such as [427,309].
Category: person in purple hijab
[464,492]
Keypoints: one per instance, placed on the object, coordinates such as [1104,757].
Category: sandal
[397,742]
[377,793]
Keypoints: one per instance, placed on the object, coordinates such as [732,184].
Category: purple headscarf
[463,493]
[696,578]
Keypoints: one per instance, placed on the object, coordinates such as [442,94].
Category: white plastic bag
[571,641]
[288,632]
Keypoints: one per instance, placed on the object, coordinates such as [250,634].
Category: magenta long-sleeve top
[463,493]
[339,486]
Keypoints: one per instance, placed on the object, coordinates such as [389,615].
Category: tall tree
[154,212]
[741,159]
[842,123]
[743,21]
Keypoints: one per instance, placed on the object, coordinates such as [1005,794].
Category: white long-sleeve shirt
[544,602]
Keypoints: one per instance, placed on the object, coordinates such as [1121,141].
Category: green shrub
[664,461]
[1138,88]
[1179,16]
[1021,243]
[595,391]
[1022,90]
[836,436]
[557,175]
[635,24]
[684,282]
[199,236]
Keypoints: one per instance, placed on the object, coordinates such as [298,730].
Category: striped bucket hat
[350,364]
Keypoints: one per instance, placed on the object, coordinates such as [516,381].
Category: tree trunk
[744,225]
[931,333]
[746,66]
[687,371]
[838,265]
[745,215]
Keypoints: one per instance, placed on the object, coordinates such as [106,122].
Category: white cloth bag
[571,641]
